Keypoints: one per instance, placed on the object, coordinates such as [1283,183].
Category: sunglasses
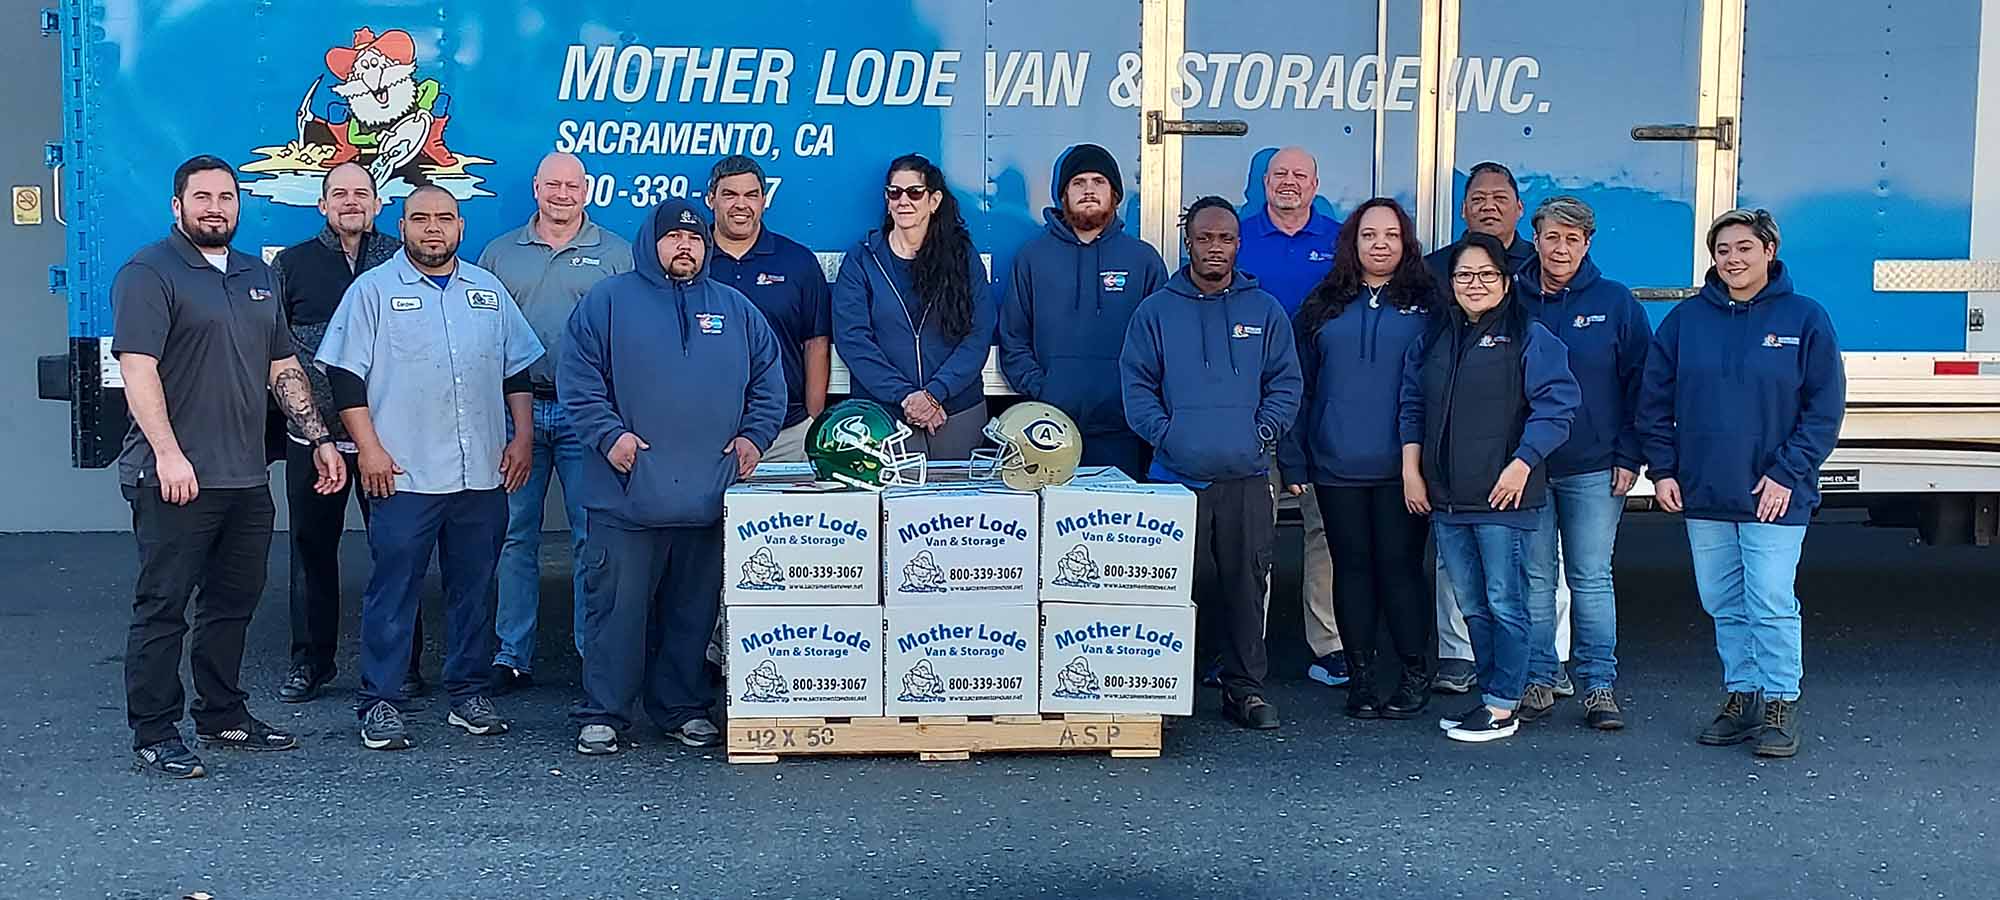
[914,192]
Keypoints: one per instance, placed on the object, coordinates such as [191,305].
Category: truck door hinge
[51,22]
[1975,319]
[58,279]
[1723,133]
[52,154]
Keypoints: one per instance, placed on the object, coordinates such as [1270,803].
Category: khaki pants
[790,445]
[1316,585]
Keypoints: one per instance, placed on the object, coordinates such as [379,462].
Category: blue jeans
[466,529]
[1745,572]
[1584,514]
[1489,572]
[557,448]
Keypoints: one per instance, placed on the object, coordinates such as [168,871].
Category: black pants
[220,541]
[1128,451]
[650,598]
[1234,532]
[317,523]
[1381,576]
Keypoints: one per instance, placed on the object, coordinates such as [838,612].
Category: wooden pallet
[935,738]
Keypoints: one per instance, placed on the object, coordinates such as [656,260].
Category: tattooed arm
[295,397]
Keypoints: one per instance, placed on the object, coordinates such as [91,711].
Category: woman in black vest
[1487,395]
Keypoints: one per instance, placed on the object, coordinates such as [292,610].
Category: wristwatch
[322,440]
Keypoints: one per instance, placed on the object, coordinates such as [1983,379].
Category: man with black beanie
[1069,300]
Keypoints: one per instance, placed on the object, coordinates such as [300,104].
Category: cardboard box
[1113,658]
[961,660]
[960,545]
[782,473]
[1118,543]
[1101,475]
[800,545]
[804,661]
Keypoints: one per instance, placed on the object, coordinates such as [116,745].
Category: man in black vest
[312,275]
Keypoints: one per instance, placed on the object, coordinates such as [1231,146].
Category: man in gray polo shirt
[200,337]
[548,265]
[427,356]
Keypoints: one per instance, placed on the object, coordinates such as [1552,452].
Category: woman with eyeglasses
[1486,396]
[912,317]
[1352,332]
[1741,405]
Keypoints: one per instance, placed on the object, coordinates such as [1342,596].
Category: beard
[425,258]
[1090,220]
[385,105]
[208,237]
[683,269]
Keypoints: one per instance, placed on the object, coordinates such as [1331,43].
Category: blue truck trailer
[1865,127]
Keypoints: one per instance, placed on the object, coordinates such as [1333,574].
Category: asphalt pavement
[1894,794]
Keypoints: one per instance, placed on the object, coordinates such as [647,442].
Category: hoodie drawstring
[681,306]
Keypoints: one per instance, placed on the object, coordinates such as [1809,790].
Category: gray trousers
[790,445]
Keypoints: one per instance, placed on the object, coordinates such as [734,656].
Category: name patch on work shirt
[406,304]
[1244,331]
[482,299]
[709,323]
[1113,282]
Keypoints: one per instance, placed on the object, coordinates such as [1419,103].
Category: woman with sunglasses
[1487,395]
[1352,333]
[912,317]
[1742,402]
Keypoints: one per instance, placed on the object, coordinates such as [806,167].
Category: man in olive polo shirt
[200,338]
[548,265]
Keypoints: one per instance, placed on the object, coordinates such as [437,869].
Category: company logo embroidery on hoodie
[1773,340]
[1587,321]
[710,323]
[1246,331]
[1113,281]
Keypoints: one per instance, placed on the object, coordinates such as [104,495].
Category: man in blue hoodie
[1211,380]
[1070,297]
[1607,335]
[652,563]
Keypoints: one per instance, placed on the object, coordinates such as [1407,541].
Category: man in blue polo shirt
[1289,247]
[785,282]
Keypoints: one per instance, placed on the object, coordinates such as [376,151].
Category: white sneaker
[697,732]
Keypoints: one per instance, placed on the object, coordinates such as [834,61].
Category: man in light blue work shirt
[1289,247]
[548,265]
[428,358]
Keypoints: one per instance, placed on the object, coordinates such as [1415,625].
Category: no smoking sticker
[27,205]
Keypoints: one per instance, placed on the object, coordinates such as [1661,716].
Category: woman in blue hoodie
[1742,402]
[1352,331]
[1607,334]
[912,317]
[1486,396]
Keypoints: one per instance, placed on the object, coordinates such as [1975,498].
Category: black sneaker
[1251,712]
[1454,676]
[505,680]
[382,728]
[1363,702]
[476,716]
[1741,717]
[1779,738]
[697,732]
[167,759]
[1411,696]
[1480,727]
[250,734]
[1447,723]
[302,684]
[1536,703]
[414,685]
[1600,710]
[1330,670]
[597,740]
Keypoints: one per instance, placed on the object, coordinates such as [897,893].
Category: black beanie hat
[1088,158]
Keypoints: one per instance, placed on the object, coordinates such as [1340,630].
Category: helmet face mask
[857,443]
[1035,445]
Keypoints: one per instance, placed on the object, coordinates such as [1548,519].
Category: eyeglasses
[896,191]
[1487,277]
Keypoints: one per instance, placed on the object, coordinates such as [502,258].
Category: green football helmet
[857,443]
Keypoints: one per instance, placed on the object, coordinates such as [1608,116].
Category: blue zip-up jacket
[688,366]
[1347,433]
[1063,319]
[1735,392]
[893,345]
[1210,380]
[1608,335]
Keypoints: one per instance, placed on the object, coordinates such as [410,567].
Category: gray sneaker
[597,740]
[697,732]
[1454,676]
[382,728]
[1563,686]
[476,716]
